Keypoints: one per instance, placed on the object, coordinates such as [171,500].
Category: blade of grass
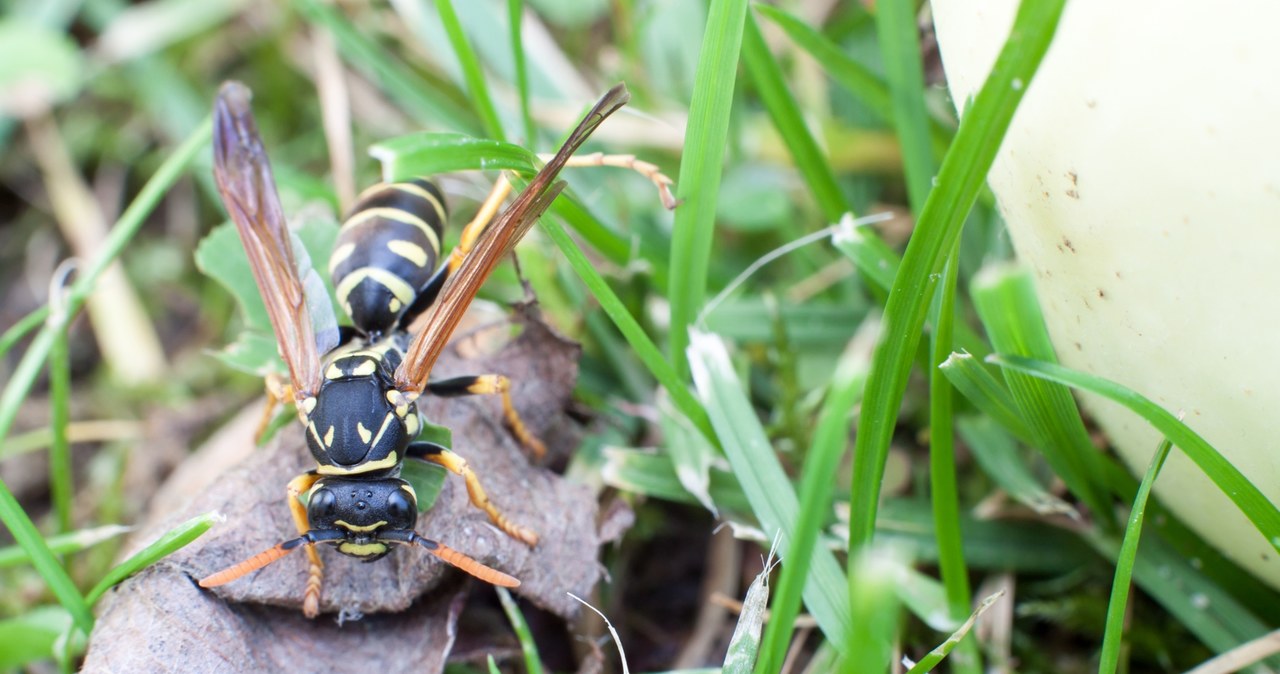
[935,656]
[990,395]
[31,637]
[997,454]
[515,18]
[654,475]
[1113,632]
[853,76]
[1224,474]
[422,154]
[769,491]
[428,103]
[61,488]
[24,375]
[701,168]
[64,544]
[173,540]
[1215,617]
[1006,302]
[874,603]
[822,460]
[472,73]
[529,649]
[645,349]
[904,70]
[943,489]
[22,328]
[789,122]
[963,172]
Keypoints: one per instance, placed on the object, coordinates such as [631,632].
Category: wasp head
[371,514]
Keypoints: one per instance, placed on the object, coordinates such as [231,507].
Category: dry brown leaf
[161,621]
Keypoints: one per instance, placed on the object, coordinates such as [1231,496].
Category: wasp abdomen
[387,251]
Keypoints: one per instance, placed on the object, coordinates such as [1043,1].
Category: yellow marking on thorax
[386,421]
[365,369]
[328,436]
[315,433]
[333,371]
[413,495]
[384,463]
[360,529]
[365,433]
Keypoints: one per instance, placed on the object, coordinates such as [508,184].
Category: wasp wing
[244,178]
[496,242]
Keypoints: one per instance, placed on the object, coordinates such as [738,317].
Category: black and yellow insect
[357,401]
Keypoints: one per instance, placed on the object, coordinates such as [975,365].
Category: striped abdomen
[387,251]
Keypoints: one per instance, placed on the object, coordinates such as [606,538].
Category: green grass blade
[692,454]
[1006,301]
[651,474]
[904,70]
[1224,474]
[762,478]
[644,347]
[961,178]
[974,380]
[428,103]
[173,540]
[701,168]
[529,649]
[22,328]
[816,490]
[421,154]
[64,544]
[24,375]
[997,455]
[874,600]
[472,73]
[936,656]
[61,487]
[848,73]
[1216,618]
[1114,631]
[515,18]
[943,488]
[30,637]
[787,119]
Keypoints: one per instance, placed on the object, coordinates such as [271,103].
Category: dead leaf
[161,621]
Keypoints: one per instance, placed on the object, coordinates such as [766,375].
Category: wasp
[355,393]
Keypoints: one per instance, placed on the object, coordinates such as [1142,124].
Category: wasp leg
[443,456]
[488,384]
[315,571]
[277,392]
[627,161]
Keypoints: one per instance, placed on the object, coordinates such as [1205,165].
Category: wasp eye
[322,504]
[400,507]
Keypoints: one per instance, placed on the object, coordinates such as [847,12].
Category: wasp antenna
[268,556]
[252,564]
[487,574]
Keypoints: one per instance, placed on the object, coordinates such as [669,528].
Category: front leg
[489,384]
[443,456]
[315,569]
